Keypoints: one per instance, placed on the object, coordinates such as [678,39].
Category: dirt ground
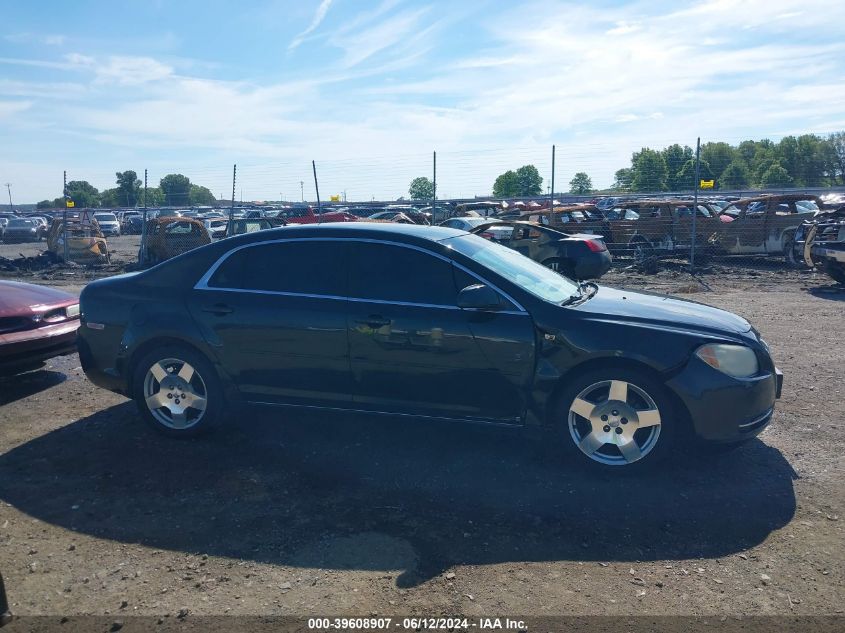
[315,514]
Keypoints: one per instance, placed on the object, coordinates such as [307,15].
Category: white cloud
[8,108]
[132,70]
[319,16]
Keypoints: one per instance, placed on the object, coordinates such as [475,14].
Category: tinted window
[307,267]
[394,273]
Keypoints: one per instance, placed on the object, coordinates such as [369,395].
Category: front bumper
[21,351]
[726,409]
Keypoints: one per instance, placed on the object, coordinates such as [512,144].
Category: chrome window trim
[202,284]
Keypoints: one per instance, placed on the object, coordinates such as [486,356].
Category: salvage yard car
[576,256]
[85,241]
[821,241]
[23,230]
[645,228]
[109,224]
[764,225]
[36,324]
[167,237]
[423,321]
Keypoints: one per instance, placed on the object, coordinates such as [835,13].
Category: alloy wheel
[614,422]
[175,393]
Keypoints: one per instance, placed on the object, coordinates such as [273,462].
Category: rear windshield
[21,223]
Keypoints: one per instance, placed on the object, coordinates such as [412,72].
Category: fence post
[142,253]
[231,227]
[64,217]
[552,192]
[695,202]
[317,188]
[434,189]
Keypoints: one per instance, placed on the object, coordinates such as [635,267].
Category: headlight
[72,311]
[734,360]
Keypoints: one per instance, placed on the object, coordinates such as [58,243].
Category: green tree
[686,177]
[734,176]
[718,156]
[836,142]
[506,185]
[529,181]
[155,197]
[580,184]
[128,187]
[675,157]
[44,204]
[421,188]
[775,176]
[83,194]
[649,171]
[176,189]
[202,196]
[622,179]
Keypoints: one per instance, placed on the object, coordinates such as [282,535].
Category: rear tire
[178,391]
[616,420]
[560,267]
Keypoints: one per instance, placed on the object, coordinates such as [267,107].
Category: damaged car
[820,243]
[576,256]
[647,228]
[36,323]
[619,379]
[763,225]
[168,237]
[86,243]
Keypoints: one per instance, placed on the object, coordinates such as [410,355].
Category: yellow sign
[707,184]
[335,198]
[70,204]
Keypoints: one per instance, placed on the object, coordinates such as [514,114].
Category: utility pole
[302,189]
[9,189]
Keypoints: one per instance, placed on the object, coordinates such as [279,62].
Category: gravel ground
[313,514]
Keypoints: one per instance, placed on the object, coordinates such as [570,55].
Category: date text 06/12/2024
[415,623]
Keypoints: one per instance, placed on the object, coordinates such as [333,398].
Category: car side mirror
[479,297]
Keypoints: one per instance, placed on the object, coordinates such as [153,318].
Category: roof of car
[378,230]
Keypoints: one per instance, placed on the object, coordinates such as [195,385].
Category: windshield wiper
[586,290]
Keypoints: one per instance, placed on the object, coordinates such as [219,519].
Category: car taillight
[596,246]
[487,235]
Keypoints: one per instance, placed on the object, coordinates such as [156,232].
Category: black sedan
[425,321]
[574,255]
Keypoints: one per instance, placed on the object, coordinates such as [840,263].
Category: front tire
[178,392]
[616,419]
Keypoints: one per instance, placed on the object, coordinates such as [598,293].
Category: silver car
[108,224]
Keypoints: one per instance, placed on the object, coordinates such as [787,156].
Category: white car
[108,224]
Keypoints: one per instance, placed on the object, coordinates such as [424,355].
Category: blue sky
[370,89]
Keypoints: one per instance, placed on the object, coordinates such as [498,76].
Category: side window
[316,268]
[385,272]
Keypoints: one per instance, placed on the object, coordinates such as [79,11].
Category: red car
[36,323]
[306,215]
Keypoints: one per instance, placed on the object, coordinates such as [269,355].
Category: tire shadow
[346,491]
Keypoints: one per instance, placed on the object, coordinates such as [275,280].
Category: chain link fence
[639,219]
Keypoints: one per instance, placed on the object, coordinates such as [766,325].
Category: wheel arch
[607,362]
[145,347]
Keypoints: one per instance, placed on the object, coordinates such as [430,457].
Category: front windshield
[540,281]
[105,217]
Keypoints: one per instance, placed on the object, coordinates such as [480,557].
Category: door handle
[374,321]
[219,309]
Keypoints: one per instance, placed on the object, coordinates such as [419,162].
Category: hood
[18,298]
[660,310]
